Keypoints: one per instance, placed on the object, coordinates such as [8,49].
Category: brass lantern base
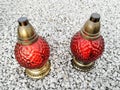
[82,66]
[40,72]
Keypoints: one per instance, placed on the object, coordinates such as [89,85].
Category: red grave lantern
[87,45]
[31,50]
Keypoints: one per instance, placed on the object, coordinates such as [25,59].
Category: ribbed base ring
[81,66]
[39,73]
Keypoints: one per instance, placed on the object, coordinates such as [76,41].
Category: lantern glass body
[34,55]
[85,50]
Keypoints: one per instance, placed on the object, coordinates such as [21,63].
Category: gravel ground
[57,21]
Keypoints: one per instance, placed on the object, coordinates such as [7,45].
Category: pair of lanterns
[32,51]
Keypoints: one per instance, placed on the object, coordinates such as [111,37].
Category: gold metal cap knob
[26,33]
[91,29]
[95,17]
[23,21]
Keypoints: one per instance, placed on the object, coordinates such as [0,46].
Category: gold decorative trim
[81,66]
[39,73]
[89,36]
[29,41]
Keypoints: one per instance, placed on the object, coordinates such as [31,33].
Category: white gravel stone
[57,21]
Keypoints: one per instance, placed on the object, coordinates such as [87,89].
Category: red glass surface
[34,55]
[86,50]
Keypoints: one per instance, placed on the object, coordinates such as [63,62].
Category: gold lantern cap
[26,32]
[91,29]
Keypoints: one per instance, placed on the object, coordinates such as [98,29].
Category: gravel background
[57,21]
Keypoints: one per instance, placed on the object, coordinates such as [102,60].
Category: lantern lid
[91,29]
[26,32]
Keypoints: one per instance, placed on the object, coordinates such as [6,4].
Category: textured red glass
[86,50]
[34,55]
